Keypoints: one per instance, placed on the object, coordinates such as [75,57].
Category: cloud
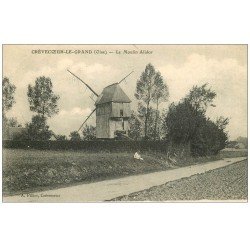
[70,120]
[88,70]
[227,77]
[76,111]
[64,64]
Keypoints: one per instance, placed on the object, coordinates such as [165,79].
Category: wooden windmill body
[112,111]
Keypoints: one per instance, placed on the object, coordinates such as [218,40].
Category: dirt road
[110,189]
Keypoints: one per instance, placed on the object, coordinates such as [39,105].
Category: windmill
[112,109]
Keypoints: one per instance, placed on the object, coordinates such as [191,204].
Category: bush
[61,137]
[75,136]
[89,133]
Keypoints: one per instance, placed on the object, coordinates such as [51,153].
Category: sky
[223,67]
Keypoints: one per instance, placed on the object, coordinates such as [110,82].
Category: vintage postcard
[124,123]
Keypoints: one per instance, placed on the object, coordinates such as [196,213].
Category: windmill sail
[92,97]
[86,120]
[83,82]
[125,77]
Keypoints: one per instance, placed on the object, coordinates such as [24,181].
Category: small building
[112,112]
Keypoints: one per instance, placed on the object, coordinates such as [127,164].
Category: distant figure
[137,156]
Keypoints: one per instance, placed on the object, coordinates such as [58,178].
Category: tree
[186,123]
[8,95]
[182,121]
[135,127]
[222,122]
[12,122]
[137,123]
[41,97]
[150,88]
[38,129]
[43,101]
[153,132]
[208,139]
[201,97]
[8,91]
[75,136]
[89,133]
[160,94]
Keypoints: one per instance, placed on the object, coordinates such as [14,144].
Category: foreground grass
[228,183]
[36,170]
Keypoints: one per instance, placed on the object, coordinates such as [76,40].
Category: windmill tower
[112,111]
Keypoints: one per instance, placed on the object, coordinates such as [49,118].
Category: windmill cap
[112,93]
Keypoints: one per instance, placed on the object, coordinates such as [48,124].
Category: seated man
[138,156]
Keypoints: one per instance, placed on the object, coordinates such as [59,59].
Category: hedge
[92,146]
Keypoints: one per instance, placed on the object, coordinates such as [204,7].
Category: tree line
[43,102]
[184,122]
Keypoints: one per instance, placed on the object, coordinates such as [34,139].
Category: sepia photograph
[124,123]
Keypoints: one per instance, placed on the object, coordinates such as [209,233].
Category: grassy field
[35,170]
[228,183]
